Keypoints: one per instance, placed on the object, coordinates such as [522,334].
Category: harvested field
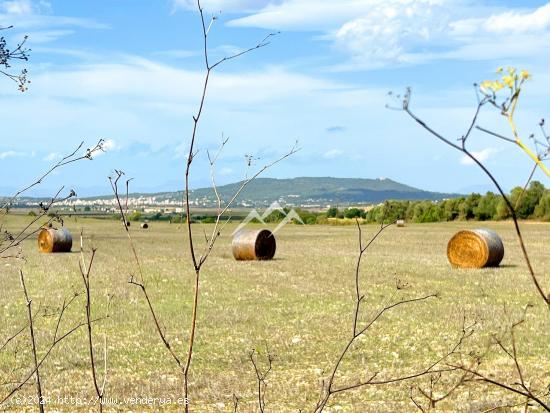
[300,304]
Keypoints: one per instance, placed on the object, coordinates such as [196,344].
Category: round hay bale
[476,248]
[254,245]
[55,240]
[144,225]
[400,223]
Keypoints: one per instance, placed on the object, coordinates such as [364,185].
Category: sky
[130,72]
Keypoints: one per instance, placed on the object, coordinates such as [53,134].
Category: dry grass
[299,304]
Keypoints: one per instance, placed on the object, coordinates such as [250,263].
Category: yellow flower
[509,81]
[497,86]
[485,86]
[525,75]
[491,86]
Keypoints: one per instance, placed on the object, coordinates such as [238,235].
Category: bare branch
[261,376]
[463,149]
[328,388]
[85,272]
[28,303]
[141,282]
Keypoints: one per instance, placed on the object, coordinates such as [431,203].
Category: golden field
[299,305]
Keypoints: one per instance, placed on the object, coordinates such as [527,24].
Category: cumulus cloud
[517,22]
[482,156]
[390,31]
[380,33]
[22,7]
[373,33]
[109,145]
[17,7]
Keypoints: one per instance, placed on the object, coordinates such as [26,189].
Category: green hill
[324,190]
[296,191]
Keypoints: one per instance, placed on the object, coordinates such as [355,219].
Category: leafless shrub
[57,337]
[11,247]
[359,328]
[261,375]
[59,334]
[11,242]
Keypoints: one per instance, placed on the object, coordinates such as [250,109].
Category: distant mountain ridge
[301,191]
[322,190]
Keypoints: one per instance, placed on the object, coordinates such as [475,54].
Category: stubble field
[299,306]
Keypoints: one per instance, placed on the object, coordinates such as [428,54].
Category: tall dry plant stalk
[11,247]
[223,207]
[505,344]
[85,268]
[10,241]
[462,147]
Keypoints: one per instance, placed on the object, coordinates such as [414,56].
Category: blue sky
[129,71]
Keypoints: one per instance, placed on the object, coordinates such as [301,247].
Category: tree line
[532,202]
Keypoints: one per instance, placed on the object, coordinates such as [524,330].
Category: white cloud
[17,7]
[482,156]
[313,15]
[222,5]
[177,54]
[110,145]
[53,156]
[379,33]
[76,53]
[11,154]
[333,154]
[27,15]
[389,31]
[47,36]
[506,23]
[516,22]
[144,81]
[374,33]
